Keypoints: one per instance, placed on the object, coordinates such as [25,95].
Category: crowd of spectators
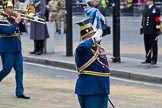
[128,7]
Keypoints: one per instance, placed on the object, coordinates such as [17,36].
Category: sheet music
[22,6]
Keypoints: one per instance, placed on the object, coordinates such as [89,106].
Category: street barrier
[50,41]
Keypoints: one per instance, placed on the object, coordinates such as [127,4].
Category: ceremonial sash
[88,63]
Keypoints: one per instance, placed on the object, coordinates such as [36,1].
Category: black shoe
[32,52]
[65,31]
[23,97]
[59,31]
[39,53]
[146,61]
[153,62]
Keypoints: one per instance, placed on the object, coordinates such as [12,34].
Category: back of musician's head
[86,29]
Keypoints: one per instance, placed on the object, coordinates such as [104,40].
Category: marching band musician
[38,31]
[93,85]
[10,47]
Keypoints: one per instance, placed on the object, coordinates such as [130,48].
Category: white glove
[36,18]
[98,35]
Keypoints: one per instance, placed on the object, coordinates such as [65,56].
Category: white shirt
[150,6]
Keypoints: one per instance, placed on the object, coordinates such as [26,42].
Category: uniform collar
[150,6]
[5,14]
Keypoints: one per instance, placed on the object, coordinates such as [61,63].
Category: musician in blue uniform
[93,85]
[150,27]
[10,47]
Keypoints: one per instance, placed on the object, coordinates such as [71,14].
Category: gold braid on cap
[85,26]
[6,3]
[92,31]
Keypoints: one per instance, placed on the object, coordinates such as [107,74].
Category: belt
[12,35]
[95,73]
[4,24]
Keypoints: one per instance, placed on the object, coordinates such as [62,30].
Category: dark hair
[152,0]
[89,3]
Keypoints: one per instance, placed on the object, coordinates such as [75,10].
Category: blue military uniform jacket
[9,35]
[95,80]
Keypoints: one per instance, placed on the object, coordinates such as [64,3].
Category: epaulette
[3,21]
[37,3]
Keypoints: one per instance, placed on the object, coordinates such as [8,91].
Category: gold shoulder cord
[90,61]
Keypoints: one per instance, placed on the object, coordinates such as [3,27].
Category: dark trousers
[151,44]
[93,101]
[14,60]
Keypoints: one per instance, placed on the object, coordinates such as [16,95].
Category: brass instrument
[28,15]
[30,9]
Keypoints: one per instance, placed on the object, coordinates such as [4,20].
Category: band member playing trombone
[38,31]
[10,47]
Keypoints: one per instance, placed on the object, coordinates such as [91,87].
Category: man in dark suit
[150,27]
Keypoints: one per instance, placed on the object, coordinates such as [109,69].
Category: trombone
[29,15]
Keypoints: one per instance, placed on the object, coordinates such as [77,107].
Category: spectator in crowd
[61,15]
[101,5]
[150,27]
[53,12]
[95,15]
[38,31]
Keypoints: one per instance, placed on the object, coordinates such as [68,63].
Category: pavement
[127,68]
